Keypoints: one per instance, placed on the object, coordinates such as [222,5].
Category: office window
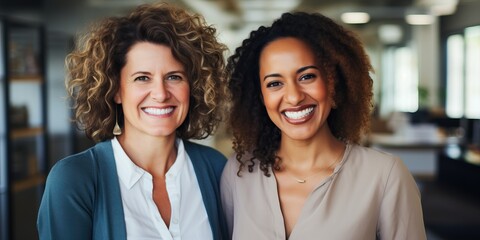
[463,74]
[406,80]
[455,86]
[472,72]
[400,81]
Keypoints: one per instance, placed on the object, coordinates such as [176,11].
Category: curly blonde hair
[94,67]
[345,67]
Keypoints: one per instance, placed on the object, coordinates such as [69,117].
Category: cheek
[184,94]
[320,91]
[271,102]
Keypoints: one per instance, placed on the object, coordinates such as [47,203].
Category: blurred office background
[426,55]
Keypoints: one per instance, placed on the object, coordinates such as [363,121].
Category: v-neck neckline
[274,198]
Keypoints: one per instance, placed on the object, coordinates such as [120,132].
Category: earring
[116,130]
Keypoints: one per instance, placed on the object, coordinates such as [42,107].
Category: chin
[299,136]
[163,133]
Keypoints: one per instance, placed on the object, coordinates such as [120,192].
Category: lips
[158,111]
[298,114]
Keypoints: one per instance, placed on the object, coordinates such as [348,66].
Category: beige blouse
[370,195]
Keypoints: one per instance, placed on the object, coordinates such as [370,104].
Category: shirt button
[175,221]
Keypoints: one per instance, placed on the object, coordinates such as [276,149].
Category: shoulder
[378,164]
[203,150]
[73,169]
[72,179]
[374,164]
[232,166]
[232,171]
[369,152]
[202,155]
[76,164]
[247,159]
[366,156]
[76,169]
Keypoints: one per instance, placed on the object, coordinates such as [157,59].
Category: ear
[117,98]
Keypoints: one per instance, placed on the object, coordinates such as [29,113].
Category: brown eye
[273,84]
[307,76]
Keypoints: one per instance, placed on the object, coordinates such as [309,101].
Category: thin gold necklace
[304,180]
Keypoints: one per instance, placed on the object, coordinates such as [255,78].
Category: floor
[449,214]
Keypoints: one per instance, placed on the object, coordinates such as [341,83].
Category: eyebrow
[140,72]
[307,67]
[177,71]
[148,73]
[298,71]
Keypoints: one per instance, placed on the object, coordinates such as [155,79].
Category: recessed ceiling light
[390,33]
[355,17]
[419,19]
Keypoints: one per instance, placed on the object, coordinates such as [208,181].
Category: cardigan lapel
[208,180]
[109,208]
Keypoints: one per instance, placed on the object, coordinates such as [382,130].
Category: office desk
[419,154]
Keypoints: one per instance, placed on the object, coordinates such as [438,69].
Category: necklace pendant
[301,180]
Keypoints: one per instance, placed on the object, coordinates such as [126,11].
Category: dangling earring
[116,130]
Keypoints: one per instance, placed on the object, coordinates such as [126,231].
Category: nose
[294,94]
[160,91]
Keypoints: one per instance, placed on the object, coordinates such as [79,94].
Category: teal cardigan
[82,197]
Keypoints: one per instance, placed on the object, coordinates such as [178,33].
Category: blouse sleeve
[401,214]
[227,191]
[66,208]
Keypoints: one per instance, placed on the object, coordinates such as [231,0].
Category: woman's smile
[300,114]
[159,111]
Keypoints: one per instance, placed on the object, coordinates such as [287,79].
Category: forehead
[144,54]
[148,49]
[287,51]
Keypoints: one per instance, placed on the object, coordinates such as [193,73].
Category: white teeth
[299,114]
[158,111]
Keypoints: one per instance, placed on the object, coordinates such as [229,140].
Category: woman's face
[294,93]
[154,91]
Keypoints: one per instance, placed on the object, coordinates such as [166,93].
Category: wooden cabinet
[23,138]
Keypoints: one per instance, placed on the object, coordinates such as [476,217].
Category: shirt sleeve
[66,208]
[401,214]
[227,191]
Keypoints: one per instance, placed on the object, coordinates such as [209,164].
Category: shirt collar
[129,173]
[177,167]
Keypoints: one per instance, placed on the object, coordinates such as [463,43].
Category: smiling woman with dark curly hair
[301,100]
[141,86]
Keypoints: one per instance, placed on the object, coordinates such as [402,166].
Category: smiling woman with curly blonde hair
[94,67]
[142,85]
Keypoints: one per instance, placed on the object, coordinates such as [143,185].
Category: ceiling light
[390,33]
[275,4]
[355,17]
[439,7]
[420,19]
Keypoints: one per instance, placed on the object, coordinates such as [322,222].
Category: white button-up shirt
[189,218]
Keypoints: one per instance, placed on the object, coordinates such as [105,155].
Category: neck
[154,155]
[318,152]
